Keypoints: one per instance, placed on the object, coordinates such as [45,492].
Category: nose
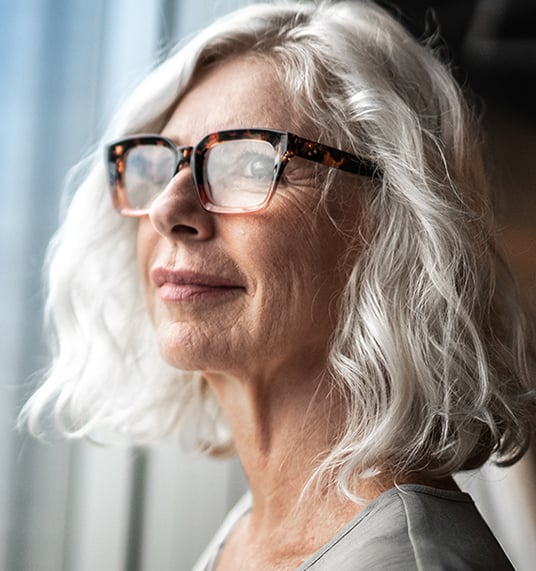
[177,213]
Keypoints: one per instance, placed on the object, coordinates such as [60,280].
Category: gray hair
[431,352]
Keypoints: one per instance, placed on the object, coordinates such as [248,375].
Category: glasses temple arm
[331,157]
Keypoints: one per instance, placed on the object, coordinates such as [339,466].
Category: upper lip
[161,276]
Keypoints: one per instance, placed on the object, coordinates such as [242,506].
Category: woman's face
[246,294]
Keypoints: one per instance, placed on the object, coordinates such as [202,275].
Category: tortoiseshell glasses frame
[233,171]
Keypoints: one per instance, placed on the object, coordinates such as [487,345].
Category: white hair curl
[431,353]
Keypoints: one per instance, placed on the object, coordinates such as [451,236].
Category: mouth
[192,286]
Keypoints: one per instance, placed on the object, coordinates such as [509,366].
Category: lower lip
[194,292]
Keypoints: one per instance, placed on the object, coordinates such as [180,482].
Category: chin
[184,351]
[178,358]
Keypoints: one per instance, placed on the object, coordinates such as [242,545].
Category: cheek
[296,269]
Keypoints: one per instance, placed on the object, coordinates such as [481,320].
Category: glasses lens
[148,170]
[239,174]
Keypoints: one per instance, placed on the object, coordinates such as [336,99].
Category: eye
[239,173]
[255,165]
[244,161]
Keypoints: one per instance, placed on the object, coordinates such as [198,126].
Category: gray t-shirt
[406,528]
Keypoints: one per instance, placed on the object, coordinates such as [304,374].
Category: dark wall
[492,47]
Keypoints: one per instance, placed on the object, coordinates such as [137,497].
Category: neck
[282,427]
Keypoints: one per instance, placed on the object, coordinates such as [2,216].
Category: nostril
[185,229]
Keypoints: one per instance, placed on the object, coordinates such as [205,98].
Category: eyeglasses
[233,171]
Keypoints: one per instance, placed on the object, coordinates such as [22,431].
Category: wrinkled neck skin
[283,424]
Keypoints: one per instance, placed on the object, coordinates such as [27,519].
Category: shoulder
[414,527]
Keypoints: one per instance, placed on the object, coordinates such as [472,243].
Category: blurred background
[65,65]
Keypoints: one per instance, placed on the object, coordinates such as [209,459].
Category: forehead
[240,93]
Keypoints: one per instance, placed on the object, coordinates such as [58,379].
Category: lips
[187,285]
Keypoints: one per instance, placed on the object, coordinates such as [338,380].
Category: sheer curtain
[64,66]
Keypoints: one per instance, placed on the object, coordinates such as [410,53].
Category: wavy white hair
[431,352]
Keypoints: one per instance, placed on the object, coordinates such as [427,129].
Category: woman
[305,241]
